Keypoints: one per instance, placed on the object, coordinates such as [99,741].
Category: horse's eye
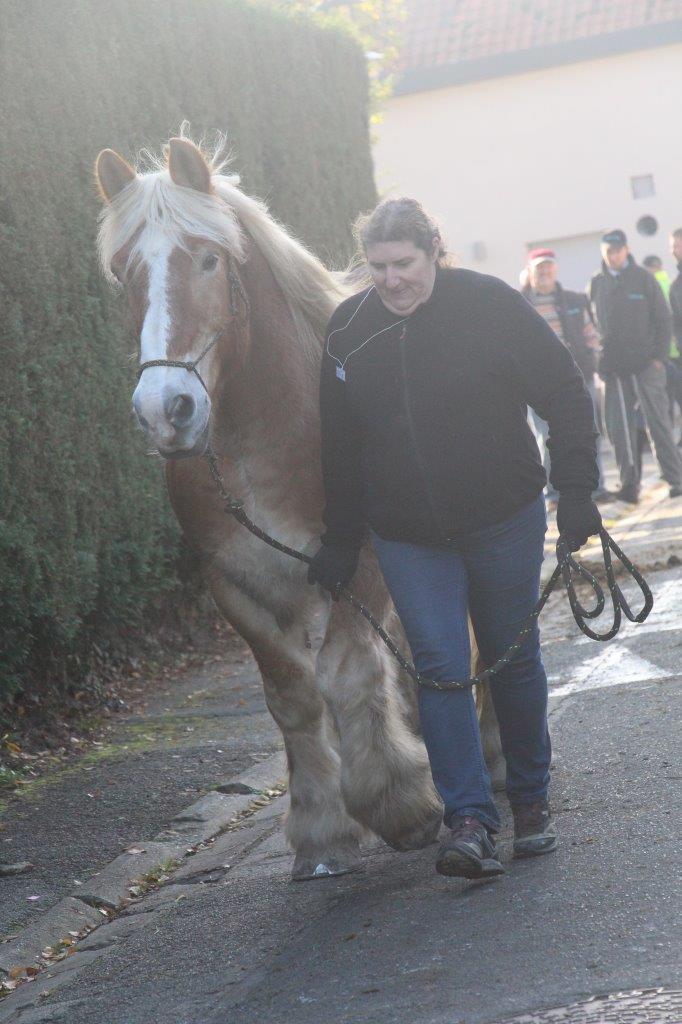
[209,262]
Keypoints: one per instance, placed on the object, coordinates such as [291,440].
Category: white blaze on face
[159,385]
[157,321]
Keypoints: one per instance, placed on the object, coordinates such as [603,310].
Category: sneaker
[676,491]
[534,831]
[469,851]
[629,494]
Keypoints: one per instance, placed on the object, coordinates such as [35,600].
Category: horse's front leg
[324,838]
[385,774]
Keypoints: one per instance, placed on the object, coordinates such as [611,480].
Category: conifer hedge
[86,536]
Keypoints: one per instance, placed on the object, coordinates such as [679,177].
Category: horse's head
[173,243]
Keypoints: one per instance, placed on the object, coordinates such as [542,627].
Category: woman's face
[403,274]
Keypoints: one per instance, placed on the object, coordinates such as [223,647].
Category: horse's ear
[112,174]
[187,166]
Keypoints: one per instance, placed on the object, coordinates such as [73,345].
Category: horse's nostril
[180,410]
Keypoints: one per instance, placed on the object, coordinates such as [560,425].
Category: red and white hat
[537,256]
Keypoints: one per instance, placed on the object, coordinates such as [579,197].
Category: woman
[425,380]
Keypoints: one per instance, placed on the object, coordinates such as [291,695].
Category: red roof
[447,32]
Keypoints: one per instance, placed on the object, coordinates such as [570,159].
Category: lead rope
[567,568]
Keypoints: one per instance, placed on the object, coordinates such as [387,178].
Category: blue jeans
[494,575]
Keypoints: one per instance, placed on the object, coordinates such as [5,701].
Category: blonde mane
[153,207]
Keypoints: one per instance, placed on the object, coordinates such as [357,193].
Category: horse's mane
[164,210]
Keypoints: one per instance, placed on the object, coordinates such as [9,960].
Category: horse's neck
[267,415]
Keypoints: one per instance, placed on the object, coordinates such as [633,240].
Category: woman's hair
[400,220]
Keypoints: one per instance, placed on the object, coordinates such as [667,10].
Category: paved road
[232,941]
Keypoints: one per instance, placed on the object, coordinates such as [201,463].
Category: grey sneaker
[534,831]
[469,851]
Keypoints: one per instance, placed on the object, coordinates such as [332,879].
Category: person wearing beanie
[568,314]
[635,324]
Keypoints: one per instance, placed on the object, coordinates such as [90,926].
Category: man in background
[568,314]
[672,365]
[635,326]
[654,264]
[675,298]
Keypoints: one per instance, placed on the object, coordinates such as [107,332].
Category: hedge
[86,537]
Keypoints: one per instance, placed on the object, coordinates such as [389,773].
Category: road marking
[614,666]
[664,617]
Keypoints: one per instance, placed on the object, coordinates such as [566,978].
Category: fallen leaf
[33,898]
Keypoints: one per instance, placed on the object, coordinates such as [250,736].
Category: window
[642,186]
[647,225]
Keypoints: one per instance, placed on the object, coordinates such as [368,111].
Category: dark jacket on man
[424,427]
[676,305]
[573,309]
[633,319]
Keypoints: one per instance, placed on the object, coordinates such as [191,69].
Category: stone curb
[110,887]
[69,915]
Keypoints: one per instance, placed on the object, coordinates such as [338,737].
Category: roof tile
[444,32]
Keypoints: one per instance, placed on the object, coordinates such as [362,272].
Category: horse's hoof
[306,869]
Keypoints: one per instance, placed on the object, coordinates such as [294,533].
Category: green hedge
[86,536]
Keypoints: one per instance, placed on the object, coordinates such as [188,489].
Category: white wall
[542,156]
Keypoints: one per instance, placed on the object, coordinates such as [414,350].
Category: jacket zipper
[426,486]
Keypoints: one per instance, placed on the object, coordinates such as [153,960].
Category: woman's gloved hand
[334,566]
[577,518]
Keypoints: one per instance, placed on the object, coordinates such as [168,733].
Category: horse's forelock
[153,209]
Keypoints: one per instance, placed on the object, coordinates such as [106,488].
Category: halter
[236,292]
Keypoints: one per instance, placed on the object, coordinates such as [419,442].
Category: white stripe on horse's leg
[385,775]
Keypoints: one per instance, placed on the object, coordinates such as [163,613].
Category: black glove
[577,518]
[334,566]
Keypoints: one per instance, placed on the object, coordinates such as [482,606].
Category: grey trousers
[648,388]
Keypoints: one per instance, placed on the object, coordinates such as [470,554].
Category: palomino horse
[212,279]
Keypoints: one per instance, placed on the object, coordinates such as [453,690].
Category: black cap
[615,237]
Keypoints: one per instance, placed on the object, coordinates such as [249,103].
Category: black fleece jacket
[424,419]
[633,319]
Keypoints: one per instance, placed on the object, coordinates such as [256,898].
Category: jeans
[494,575]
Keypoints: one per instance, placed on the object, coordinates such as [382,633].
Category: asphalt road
[234,942]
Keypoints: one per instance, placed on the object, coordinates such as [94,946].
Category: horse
[231,312]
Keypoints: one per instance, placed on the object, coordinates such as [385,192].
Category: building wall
[544,157]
